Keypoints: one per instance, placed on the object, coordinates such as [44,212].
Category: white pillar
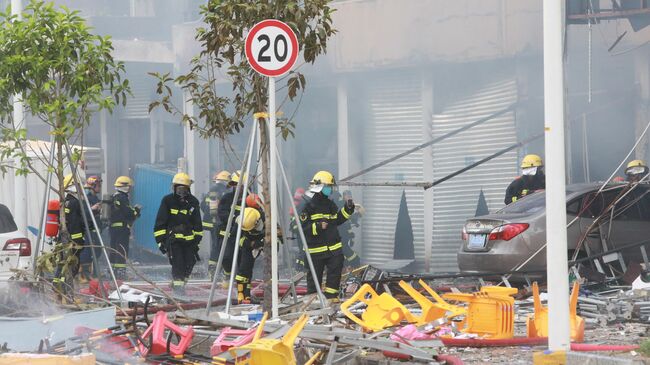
[153,138]
[343,131]
[103,136]
[196,154]
[427,167]
[20,182]
[556,234]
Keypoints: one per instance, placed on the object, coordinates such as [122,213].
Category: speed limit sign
[271,48]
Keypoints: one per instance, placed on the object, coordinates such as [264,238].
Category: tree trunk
[264,151]
[61,190]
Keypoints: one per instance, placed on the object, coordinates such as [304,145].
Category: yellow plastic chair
[490,312]
[537,323]
[452,310]
[272,351]
[382,310]
[430,311]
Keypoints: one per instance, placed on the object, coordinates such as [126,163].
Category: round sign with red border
[271,48]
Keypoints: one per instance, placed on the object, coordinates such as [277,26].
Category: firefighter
[352,259]
[250,246]
[209,207]
[532,179]
[636,170]
[178,230]
[122,216]
[320,220]
[92,188]
[75,226]
[227,200]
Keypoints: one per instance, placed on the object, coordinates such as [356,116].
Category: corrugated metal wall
[395,125]
[455,200]
[151,184]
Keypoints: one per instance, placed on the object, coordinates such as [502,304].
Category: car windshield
[530,204]
[7,223]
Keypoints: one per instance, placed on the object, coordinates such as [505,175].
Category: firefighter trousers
[334,266]
[182,258]
[86,258]
[215,247]
[119,248]
[245,267]
[229,253]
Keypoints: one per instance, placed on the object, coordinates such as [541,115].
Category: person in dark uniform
[178,230]
[320,220]
[250,246]
[532,179]
[92,189]
[226,202]
[122,216]
[209,209]
[75,225]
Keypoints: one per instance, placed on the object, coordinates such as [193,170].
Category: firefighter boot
[242,298]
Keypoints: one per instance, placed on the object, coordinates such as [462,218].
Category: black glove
[162,248]
[349,206]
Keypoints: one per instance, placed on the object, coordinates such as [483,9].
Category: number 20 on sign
[271,48]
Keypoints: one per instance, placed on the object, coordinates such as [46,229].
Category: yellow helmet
[323,178]
[636,163]
[221,176]
[123,181]
[67,181]
[182,179]
[531,161]
[251,216]
[234,177]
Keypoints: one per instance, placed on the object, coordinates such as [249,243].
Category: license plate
[476,241]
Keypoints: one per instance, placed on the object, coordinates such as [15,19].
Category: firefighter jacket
[178,220]
[122,214]
[209,206]
[224,210]
[92,200]
[325,242]
[74,219]
[523,186]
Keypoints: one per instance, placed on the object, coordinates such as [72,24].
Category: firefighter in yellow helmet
[250,246]
[178,230]
[320,219]
[122,215]
[636,170]
[532,179]
[209,209]
[76,229]
[226,202]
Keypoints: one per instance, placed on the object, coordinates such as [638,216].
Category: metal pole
[208,305]
[274,200]
[556,252]
[20,181]
[242,180]
[319,292]
[101,241]
[46,199]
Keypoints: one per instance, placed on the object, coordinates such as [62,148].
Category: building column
[642,75]
[154,125]
[103,136]
[196,154]
[427,166]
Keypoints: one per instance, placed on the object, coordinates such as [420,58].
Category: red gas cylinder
[52,219]
[158,337]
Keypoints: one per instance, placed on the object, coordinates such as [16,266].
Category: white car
[15,248]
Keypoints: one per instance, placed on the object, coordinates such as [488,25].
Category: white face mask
[638,170]
[530,171]
[316,188]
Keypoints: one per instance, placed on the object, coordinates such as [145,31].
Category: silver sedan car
[617,216]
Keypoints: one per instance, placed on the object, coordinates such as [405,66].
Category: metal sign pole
[208,305]
[274,200]
[243,180]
